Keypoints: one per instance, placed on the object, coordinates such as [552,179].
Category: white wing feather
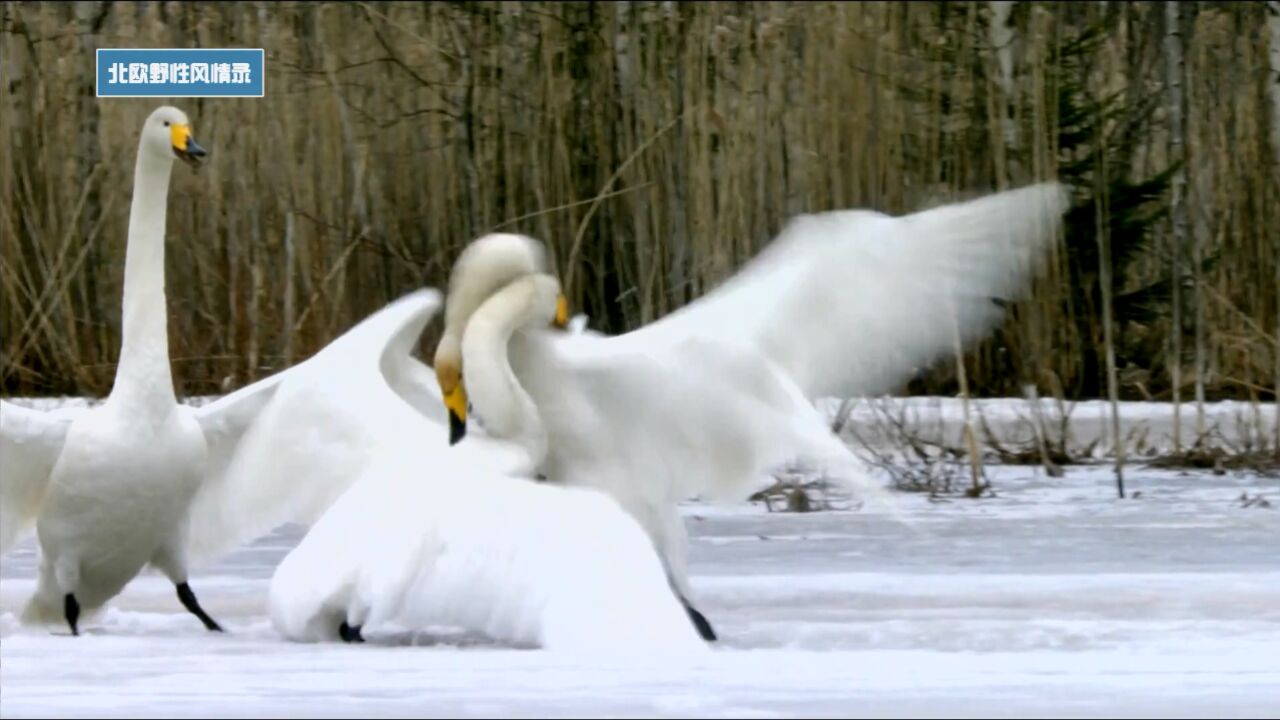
[852,302]
[284,449]
[30,441]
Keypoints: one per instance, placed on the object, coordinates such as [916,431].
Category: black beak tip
[457,429]
[192,155]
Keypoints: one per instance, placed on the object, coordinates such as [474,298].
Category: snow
[1053,598]
[1144,426]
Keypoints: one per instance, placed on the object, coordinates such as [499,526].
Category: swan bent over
[710,399]
[463,538]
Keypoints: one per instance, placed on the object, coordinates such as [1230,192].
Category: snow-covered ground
[1053,598]
[1146,428]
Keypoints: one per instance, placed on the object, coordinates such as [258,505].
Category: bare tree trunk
[978,485]
[1104,271]
[677,244]
[1003,37]
[90,18]
[288,304]
[1273,23]
[1199,230]
[254,310]
[796,176]
[1177,153]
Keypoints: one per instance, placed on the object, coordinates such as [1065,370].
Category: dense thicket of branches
[655,146]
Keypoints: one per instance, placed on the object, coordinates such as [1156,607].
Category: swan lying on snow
[142,480]
[711,398]
[462,537]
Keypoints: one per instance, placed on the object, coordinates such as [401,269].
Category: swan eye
[166,123]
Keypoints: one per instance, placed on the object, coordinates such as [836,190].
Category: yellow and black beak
[185,146]
[562,313]
[455,400]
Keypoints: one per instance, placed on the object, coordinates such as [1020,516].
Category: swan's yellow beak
[562,312]
[455,399]
[185,146]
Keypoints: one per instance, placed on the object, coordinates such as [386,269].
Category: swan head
[167,134]
[448,365]
[530,301]
[486,265]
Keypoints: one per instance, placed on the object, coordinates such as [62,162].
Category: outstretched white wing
[284,449]
[851,302]
[30,441]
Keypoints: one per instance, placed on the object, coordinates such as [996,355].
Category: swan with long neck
[712,398]
[459,535]
[521,305]
[144,381]
[485,267]
[142,479]
[135,453]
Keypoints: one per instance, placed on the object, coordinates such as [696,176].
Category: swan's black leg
[71,609]
[350,634]
[189,602]
[699,621]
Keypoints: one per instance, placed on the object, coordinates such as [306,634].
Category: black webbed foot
[71,610]
[350,634]
[188,599]
[699,621]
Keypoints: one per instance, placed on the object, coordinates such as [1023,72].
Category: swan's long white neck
[492,387]
[143,377]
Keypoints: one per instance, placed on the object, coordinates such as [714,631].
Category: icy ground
[1051,599]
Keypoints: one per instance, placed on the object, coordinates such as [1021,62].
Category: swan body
[710,399]
[435,535]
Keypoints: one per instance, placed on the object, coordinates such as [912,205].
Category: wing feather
[30,441]
[283,450]
[852,302]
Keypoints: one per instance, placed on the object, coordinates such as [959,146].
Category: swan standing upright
[135,456]
[712,397]
[144,480]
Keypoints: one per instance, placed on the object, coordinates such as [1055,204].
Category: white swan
[712,397]
[461,537]
[135,453]
[280,450]
[142,480]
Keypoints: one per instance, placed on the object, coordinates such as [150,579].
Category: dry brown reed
[654,145]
